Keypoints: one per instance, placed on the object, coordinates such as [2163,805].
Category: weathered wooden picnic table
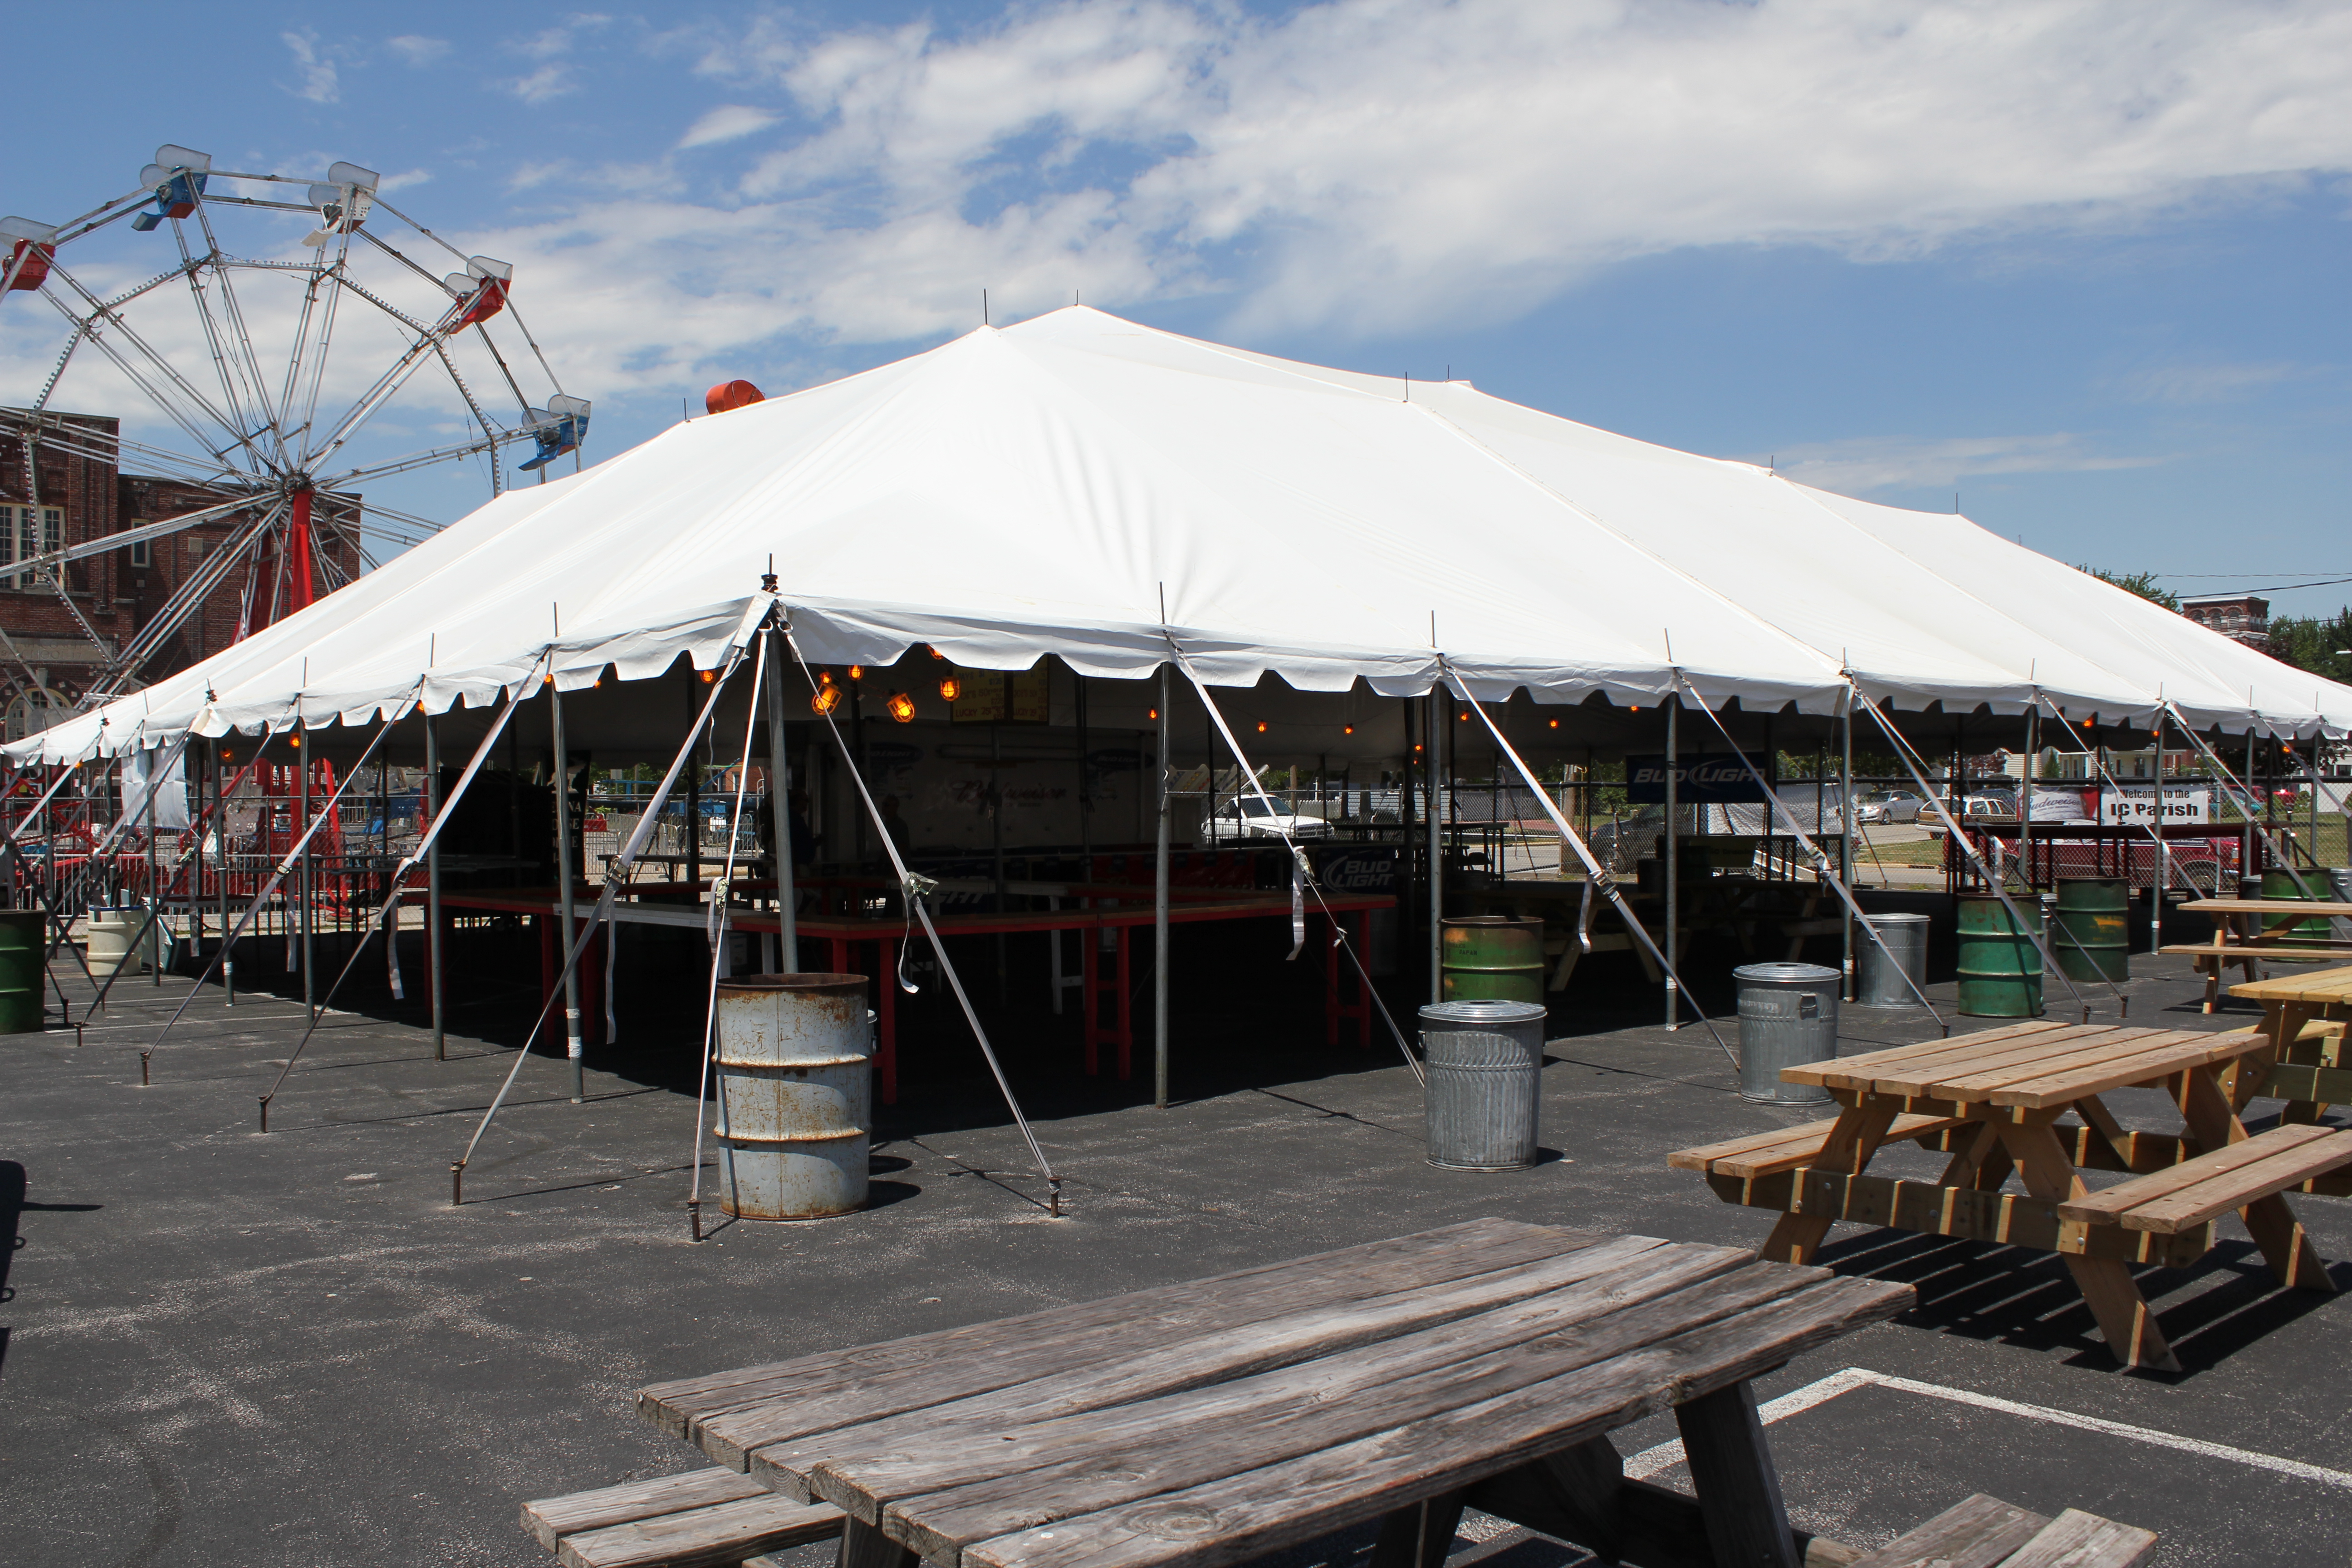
[1993,1101]
[1481,1364]
[2251,932]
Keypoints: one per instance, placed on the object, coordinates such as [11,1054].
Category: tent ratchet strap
[400,876]
[616,874]
[1593,870]
[1300,883]
[915,889]
[723,889]
[1904,754]
[1821,860]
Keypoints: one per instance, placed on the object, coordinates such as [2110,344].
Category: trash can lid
[1484,1013]
[1786,973]
[1897,920]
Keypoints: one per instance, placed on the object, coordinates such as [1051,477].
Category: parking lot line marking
[1650,1461]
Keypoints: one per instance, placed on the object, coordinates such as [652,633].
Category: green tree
[2307,642]
[2140,583]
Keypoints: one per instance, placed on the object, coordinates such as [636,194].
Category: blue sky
[2082,262]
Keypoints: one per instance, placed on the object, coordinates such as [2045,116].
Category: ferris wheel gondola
[267,371]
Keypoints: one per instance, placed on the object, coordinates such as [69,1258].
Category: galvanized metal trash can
[23,946]
[1880,978]
[1484,1102]
[795,1095]
[1788,1017]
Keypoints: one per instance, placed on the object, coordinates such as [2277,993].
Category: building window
[26,532]
[33,710]
[142,555]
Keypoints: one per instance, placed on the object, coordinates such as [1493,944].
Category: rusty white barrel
[795,1095]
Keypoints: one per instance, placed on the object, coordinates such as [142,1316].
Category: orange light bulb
[1152,713]
[857,672]
[826,698]
[1555,723]
[1347,728]
[1261,726]
[951,689]
[709,676]
[902,706]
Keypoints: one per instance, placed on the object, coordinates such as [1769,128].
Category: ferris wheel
[270,373]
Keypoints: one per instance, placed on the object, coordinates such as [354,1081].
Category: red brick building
[2245,617]
[72,492]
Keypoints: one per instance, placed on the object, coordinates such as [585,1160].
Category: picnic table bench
[1479,1365]
[1993,1101]
[2253,932]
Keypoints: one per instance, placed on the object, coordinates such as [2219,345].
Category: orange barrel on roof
[731,394]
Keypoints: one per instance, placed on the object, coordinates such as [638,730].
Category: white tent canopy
[1095,490]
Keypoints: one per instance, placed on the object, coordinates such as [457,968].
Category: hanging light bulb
[902,706]
[1555,723]
[857,672]
[1152,713]
[951,689]
[1464,715]
[933,652]
[827,698]
[1347,728]
[709,676]
[1261,726]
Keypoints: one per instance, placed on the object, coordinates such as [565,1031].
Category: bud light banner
[1702,778]
[1356,868]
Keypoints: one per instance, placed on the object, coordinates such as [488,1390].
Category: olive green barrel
[22,938]
[1492,958]
[2277,884]
[2001,967]
[2092,941]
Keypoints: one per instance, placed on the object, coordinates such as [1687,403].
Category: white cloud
[1868,465]
[418,50]
[392,182]
[546,82]
[2205,382]
[726,123]
[317,68]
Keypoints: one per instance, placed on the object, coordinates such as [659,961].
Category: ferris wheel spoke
[365,408]
[114,321]
[250,361]
[184,604]
[455,452]
[232,393]
[124,537]
[87,333]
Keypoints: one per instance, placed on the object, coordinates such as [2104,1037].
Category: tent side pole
[1158,919]
[1847,827]
[1674,859]
[433,888]
[572,1054]
[1436,852]
[2025,793]
[2163,851]
[222,862]
[154,877]
[779,810]
[308,991]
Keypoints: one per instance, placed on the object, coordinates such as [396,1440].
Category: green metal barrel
[2000,968]
[1492,958]
[2092,941]
[21,941]
[2280,885]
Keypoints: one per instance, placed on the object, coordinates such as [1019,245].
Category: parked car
[1889,805]
[1252,816]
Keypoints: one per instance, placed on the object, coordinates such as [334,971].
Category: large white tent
[1087,488]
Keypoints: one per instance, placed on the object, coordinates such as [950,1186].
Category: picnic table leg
[1846,1150]
[1419,1535]
[863,1545]
[2213,1121]
[2123,1314]
[1731,1470]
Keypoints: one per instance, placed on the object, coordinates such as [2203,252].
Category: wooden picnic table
[2249,932]
[1481,1364]
[1993,1101]
[2305,1019]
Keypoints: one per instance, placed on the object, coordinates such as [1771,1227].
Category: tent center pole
[572,1054]
[2163,851]
[1673,861]
[433,888]
[1847,827]
[1428,773]
[1159,920]
[779,810]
